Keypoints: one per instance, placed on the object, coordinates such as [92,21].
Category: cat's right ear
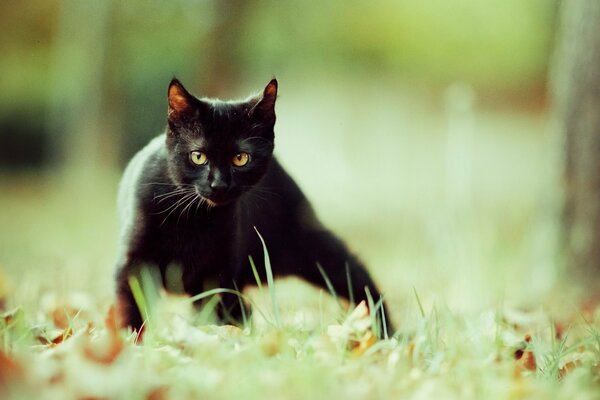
[264,106]
[182,105]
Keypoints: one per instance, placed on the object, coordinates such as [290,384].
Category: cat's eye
[240,159]
[198,157]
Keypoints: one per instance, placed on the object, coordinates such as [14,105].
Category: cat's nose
[218,186]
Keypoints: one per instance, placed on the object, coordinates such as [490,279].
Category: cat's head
[222,148]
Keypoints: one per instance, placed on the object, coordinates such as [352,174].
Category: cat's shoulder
[152,150]
[141,165]
[146,157]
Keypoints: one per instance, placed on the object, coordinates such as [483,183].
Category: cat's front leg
[129,313]
[232,308]
[128,307]
[196,280]
[345,272]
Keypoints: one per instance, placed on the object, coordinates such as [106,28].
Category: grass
[481,311]
[65,349]
[442,355]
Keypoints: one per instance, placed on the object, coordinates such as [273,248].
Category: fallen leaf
[525,358]
[63,316]
[354,331]
[271,343]
[107,347]
[360,346]
[159,393]
[112,321]
[55,337]
[10,370]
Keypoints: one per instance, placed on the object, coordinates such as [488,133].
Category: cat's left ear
[182,105]
[264,108]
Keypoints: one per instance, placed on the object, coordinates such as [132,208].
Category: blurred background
[419,130]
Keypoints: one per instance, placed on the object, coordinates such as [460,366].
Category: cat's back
[140,166]
[278,202]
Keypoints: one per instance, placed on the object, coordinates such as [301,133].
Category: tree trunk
[79,136]
[221,72]
[575,88]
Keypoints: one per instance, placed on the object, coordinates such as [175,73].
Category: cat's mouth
[214,200]
[209,202]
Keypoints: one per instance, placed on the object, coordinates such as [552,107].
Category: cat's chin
[217,200]
[216,203]
[210,203]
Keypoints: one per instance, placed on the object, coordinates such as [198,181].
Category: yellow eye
[240,159]
[198,157]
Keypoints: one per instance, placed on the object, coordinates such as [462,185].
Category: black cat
[194,196]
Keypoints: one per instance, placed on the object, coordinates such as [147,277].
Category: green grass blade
[216,291]
[213,292]
[373,313]
[270,282]
[207,310]
[138,296]
[242,305]
[383,320]
[419,303]
[349,282]
[255,272]
[329,285]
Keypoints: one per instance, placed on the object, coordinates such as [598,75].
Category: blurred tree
[576,93]
[79,136]
[221,70]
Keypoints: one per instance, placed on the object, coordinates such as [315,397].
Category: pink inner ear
[271,90]
[178,101]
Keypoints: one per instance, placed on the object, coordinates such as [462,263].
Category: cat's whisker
[198,204]
[165,196]
[183,196]
[173,191]
[185,209]
[167,184]
[180,202]
[204,201]
[177,203]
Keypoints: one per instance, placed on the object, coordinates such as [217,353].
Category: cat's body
[197,196]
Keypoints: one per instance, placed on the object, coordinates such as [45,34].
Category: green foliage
[219,47]
[270,281]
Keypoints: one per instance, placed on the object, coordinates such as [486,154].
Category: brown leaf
[62,316]
[360,346]
[10,370]
[56,337]
[109,345]
[271,343]
[159,393]
[104,350]
[113,319]
[525,358]
[568,367]
[528,361]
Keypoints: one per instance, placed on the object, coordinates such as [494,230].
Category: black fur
[202,217]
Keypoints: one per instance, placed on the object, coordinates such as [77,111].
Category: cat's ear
[182,105]
[269,96]
[264,108]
